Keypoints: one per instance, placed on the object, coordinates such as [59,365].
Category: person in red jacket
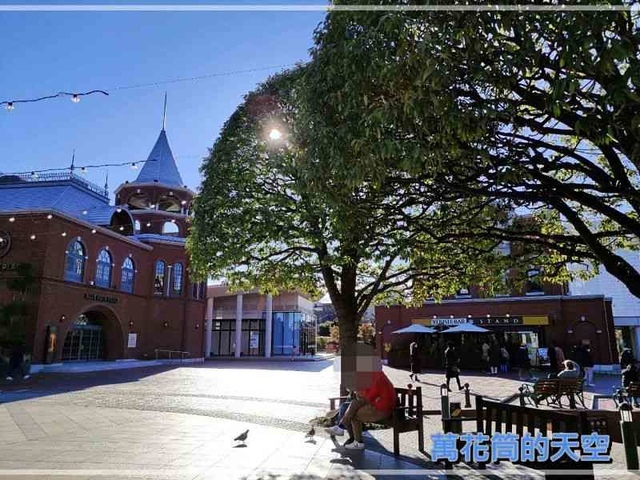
[375,400]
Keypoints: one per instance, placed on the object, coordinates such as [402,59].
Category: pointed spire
[160,166]
[106,181]
[164,113]
[73,161]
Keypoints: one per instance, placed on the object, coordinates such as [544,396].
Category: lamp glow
[75,98]
[9,106]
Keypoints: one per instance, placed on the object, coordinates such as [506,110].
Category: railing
[63,176]
[182,355]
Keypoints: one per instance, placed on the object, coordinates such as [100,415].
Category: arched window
[170,228]
[103,271]
[74,266]
[177,278]
[158,282]
[128,275]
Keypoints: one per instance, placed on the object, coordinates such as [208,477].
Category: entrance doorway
[85,340]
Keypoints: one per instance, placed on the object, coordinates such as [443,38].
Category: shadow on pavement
[45,384]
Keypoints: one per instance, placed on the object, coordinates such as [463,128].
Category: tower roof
[162,167]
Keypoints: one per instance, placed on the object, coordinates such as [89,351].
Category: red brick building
[538,316]
[108,281]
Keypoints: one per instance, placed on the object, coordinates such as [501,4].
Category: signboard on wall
[254,340]
[132,340]
[490,321]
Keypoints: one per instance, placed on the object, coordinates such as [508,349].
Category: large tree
[536,111]
[291,214]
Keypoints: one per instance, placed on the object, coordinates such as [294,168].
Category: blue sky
[44,53]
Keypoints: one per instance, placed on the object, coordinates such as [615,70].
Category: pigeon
[242,437]
[310,433]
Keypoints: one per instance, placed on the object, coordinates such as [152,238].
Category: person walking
[626,358]
[524,362]
[414,354]
[17,363]
[587,360]
[504,360]
[494,359]
[451,365]
[485,357]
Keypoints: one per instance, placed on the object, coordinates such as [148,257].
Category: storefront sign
[448,321]
[100,298]
[492,321]
[133,340]
[5,243]
[9,267]
[254,340]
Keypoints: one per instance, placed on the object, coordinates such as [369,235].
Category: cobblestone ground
[275,396]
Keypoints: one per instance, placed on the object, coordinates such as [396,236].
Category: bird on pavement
[310,433]
[242,437]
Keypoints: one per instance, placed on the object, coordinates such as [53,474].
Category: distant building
[537,315]
[257,325]
[109,281]
[626,306]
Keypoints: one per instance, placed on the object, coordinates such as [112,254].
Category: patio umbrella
[415,328]
[466,328]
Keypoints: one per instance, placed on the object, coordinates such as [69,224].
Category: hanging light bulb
[32,237]
[118,210]
[84,212]
[134,165]
[9,106]
[75,98]
[12,219]
[148,224]
[93,230]
[121,229]
[83,170]
[64,234]
[49,217]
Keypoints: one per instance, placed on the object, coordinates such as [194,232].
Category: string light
[49,217]
[64,234]
[83,169]
[134,166]
[75,96]
[32,237]
[12,219]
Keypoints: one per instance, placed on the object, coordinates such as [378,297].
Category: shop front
[537,323]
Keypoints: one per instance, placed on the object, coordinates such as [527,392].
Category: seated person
[374,400]
[571,370]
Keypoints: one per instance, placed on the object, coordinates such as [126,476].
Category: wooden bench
[629,394]
[552,390]
[407,416]
[494,417]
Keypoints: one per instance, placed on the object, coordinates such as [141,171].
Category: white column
[209,328]
[268,326]
[167,281]
[238,325]
[637,342]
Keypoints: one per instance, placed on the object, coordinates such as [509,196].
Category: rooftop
[161,166]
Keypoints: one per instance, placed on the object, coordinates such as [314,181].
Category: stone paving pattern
[179,422]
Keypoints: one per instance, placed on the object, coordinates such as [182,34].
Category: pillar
[268,326]
[637,342]
[209,328]
[238,325]
[167,281]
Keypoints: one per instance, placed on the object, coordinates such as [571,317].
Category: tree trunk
[348,325]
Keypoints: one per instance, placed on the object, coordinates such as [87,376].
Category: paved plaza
[180,421]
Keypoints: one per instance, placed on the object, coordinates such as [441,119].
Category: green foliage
[13,314]
[531,112]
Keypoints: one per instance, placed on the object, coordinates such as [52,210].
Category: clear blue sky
[44,53]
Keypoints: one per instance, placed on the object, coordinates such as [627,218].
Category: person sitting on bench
[374,400]
[571,370]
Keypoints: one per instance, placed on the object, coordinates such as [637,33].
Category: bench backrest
[569,385]
[410,400]
[546,386]
[633,389]
[495,417]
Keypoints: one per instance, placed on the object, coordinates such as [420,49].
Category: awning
[415,328]
[466,328]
